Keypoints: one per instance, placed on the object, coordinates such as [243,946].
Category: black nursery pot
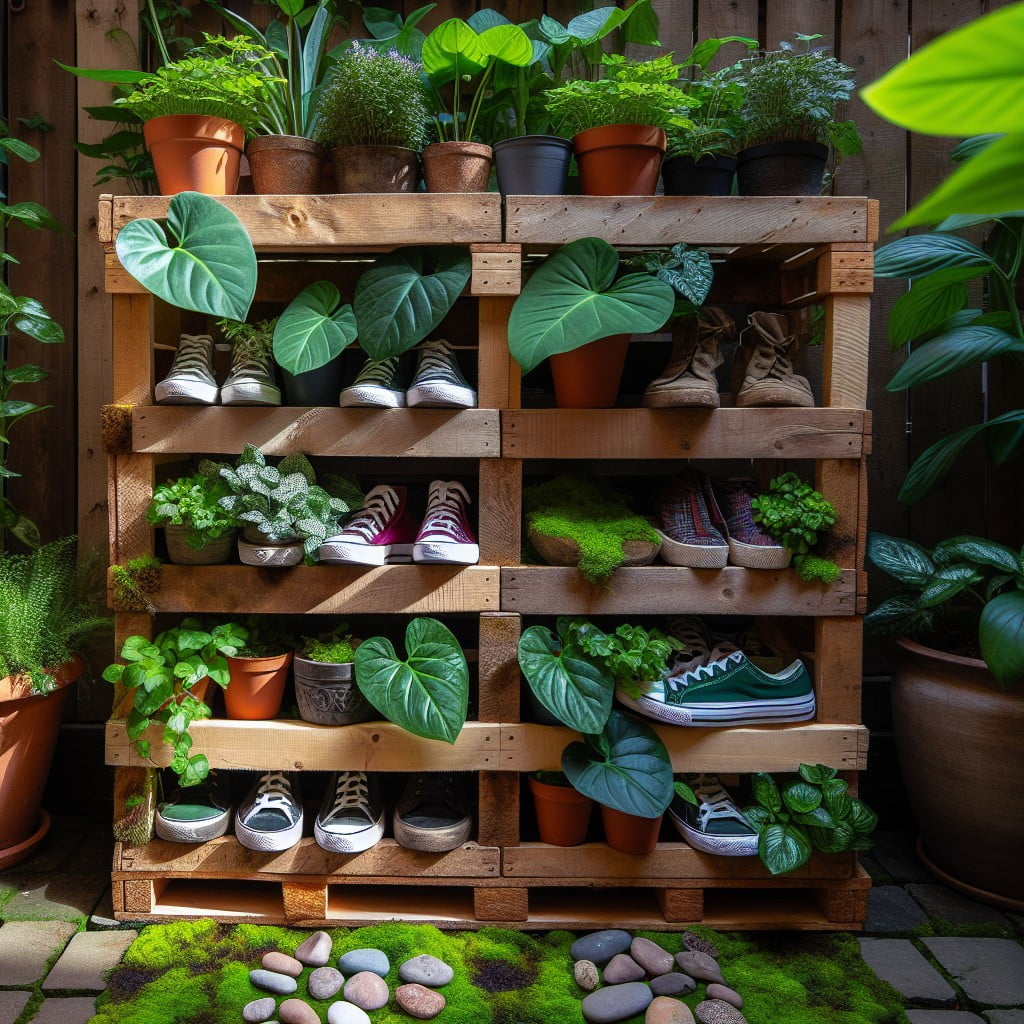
[317,387]
[533,165]
[708,176]
[781,169]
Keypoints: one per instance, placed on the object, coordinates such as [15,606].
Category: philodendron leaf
[398,303]
[766,793]
[428,693]
[1000,632]
[801,797]
[575,689]
[783,848]
[632,773]
[314,329]
[201,260]
[903,559]
[572,298]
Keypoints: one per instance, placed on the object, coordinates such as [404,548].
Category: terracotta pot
[588,377]
[563,814]
[327,693]
[961,742]
[375,168]
[213,552]
[629,833]
[28,736]
[709,176]
[457,166]
[193,153]
[781,169]
[620,159]
[285,165]
[256,687]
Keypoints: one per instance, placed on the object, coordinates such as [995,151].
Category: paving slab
[69,1010]
[940,902]
[902,965]
[896,852]
[87,960]
[990,971]
[11,1004]
[1004,1016]
[890,909]
[57,897]
[26,947]
[934,1017]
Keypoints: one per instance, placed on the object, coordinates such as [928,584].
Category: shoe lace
[351,790]
[274,791]
[445,505]
[379,372]
[771,354]
[195,352]
[250,355]
[437,360]
[371,519]
[677,684]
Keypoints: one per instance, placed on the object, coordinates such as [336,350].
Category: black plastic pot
[709,176]
[533,165]
[781,169]
[317,387]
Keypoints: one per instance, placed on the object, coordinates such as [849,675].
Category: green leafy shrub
[192,501]
[632,654]
[337,647]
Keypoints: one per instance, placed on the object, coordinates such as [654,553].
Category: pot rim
[533,139]
[309,661]
[292,142]
[717,163]
[397,149]
[468,148]
[69,670]
[220,129]
[950,659]
[782,147]
[263,661]
[591,137]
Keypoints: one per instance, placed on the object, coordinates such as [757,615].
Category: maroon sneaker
[688,534]
[445,537]
[381,532]
[749,546]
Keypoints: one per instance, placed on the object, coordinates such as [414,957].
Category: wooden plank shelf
[685,433]
[371,433]
[673,590]
[301,746]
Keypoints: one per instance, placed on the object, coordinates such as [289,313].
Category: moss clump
[591,513]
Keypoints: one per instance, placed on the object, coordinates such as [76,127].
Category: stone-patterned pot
[213,552]
[327,693]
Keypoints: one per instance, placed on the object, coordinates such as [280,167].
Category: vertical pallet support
[501,904]
[682,906]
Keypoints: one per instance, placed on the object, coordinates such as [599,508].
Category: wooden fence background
[59,452]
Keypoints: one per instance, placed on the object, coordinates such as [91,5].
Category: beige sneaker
[765,359]
[689,379]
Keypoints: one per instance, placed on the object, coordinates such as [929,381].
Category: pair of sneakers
[385,532]
[438,382]
[191,380]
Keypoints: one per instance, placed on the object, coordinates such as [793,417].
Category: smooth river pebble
[271,981]
[315,951]
[426,970]
[419,1001]
[367,990]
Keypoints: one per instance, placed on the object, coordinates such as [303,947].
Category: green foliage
[338,647]
[48,607]
[374,99]
[794,513]
[632,654]
[812,812]
[314,329]
[135,582]
[192,501]
[687,271]
[552,778]
[815,569]
[267,637]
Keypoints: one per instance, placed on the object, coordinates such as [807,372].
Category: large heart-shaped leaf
[427,693]
[573,687]
[314,329]
[573,298]
[508,43]
[453,50]
[1000,632]
[398,302]
[203,260]
[625,767]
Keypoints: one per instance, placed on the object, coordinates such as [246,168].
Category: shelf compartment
[685,433]
[368,433]
[669,589]
[300,746]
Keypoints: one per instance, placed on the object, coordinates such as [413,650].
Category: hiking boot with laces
[688,535]
[689,379]
[190,380]
[715,825]
[380,533]
[251,380]
[377,385]
[433,813]
[351,816]
[729,502]
[269,819]
[438,382]
[445,537]
[765,360]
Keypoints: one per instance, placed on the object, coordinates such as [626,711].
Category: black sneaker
[378,385]
[715,825]
[438,382]
[269,819]
[433,813]
[194,814]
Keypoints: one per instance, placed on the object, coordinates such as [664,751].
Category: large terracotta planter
[629,833]
[193,153]
[28,736]
[588,377]
[256,687]
[563,814]
[961,744]
[285,165]
[620,159]
[375,169]
[457,166]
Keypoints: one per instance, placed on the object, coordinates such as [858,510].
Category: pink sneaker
[445,537]
[380,533]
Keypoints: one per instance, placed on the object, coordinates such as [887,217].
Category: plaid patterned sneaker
[445,537]
[190,380]
[684,523]
[749,546]
[715,825]
[351,817]
[380,533]
[438,382]
[377,385]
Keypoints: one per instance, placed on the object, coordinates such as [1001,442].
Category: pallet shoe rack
[780,253]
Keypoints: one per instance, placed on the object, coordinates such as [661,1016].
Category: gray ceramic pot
[327,693]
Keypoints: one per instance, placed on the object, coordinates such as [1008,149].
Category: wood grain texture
[809,17]
[496,273]
[304,900]
[499,667]
[500,904]
[847,339]
[499,809]
[840,482]
[838,644]
[133,349]
[675,30]
[716,18]
[499,374]
[134,485]
[501,482]
[681,905]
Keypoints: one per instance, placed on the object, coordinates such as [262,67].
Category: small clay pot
[629,833]
[709,176]
[194,153]
[256,687]
[285,165]
[620,159]
[457,166]
[375,168]
[327,693]
[781,169]
[563,814]
[213,552]
[588,377]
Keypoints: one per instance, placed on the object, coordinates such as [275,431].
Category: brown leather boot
[689,379]
[763,366]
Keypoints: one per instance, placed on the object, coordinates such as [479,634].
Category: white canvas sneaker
[190,380]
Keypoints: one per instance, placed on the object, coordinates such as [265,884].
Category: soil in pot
[285,165]
[620,159]
[327,693]
[629,833]
[375,168]
[709,176]
[533,165]
[563,814]
[214,552]
[318,387]
[193,153]
[256,687]
[457,166]
[781,169]
[588,377]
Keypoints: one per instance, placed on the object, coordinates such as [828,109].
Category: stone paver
[11,1004]
[940,902]
[72,1010]
[896,854]
[902,965]
[87,960]
[990,971]
[58,897]
[890,909]
[935,1017]
[27,946]
[1004,1016]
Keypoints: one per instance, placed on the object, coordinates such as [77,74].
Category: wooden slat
[339,222]
[665,589]
[838,645]
[769,748]
[299,746]
[735,18]
[809,17]
[840,482]
[682,433]
[500,375]
[496,271]
[327,589]
[134,485]
[847,339]
[373,433]
[499,667]
[501,484]
[133,349]
[499,809]
[501,904]
[660,220]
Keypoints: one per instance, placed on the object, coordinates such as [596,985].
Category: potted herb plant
[47,610]
[563,814]
[325,679]
[257,671]
[197,529]
[790,98]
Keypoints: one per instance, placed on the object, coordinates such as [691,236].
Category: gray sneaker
[190,380]
[269,819]
[377,385]
[251,380]
[351,817]
[438,382]
[433,813]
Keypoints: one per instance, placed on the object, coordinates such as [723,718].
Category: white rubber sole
[176,392]
[268,842]
[349,842]
[348,553]
[440,396]
[191,831]
[249,394]
[439,553]
[430,840]
[365,396]
[720,846]
[693,556]
[758,712]
[758,556]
